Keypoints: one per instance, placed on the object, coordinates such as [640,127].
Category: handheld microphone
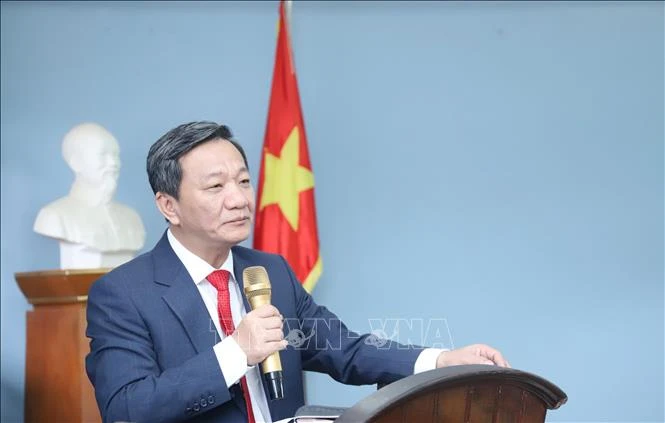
[258,291]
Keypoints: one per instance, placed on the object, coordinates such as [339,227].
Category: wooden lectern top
[58,286]
[470,393]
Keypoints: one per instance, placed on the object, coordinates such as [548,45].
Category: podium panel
[469,394]
[56,385]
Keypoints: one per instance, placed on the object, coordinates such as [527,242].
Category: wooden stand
[57,388]
[470,393]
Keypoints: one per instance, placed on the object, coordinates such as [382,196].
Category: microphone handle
[271,366]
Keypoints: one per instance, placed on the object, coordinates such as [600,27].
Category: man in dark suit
[172,335]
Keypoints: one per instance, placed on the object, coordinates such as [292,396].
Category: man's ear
[168,206]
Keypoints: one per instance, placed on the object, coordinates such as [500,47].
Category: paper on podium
[315,414]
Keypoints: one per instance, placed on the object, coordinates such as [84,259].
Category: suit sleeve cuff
[232,360]
[427,360]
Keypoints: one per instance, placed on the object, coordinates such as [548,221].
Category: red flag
[286,215]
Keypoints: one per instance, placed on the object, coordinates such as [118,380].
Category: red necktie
[220,280]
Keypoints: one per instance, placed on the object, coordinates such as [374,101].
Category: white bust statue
[93,230]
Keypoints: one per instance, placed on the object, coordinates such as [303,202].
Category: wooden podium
[57,388]
[460,394]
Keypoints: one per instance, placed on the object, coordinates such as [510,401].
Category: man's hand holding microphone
[260,334]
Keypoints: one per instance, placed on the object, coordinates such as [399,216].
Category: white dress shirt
[231,358]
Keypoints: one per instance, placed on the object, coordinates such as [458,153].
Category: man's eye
[245,182]
[216,186]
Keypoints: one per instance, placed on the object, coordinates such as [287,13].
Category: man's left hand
[472,354]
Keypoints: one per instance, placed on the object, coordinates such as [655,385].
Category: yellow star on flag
[285,179]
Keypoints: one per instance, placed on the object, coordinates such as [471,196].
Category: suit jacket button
[188,411]
[203,402]
[211,399]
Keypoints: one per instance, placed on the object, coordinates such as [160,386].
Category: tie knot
[219,279]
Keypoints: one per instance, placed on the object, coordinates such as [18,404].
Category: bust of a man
[94,231]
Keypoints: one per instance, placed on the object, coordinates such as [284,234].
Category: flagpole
[288,5]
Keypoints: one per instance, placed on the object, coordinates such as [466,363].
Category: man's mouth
[238,220]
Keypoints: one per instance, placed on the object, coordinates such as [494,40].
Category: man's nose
[236,197]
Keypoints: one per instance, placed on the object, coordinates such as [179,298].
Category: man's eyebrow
[220,173]
[213,175]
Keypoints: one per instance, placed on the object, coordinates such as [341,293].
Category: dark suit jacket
[151,350]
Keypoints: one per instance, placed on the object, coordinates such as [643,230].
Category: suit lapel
[183,298]
[240,262]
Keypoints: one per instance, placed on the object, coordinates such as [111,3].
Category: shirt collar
[197,268]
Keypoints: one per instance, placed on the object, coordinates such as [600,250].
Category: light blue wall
[497,165]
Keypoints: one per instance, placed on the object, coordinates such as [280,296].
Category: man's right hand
[259,333]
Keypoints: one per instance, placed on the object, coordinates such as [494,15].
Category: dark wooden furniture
[57,388]
[460,394]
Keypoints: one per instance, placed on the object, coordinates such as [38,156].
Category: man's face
[216,201]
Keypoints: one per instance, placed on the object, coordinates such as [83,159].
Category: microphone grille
[255,275]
